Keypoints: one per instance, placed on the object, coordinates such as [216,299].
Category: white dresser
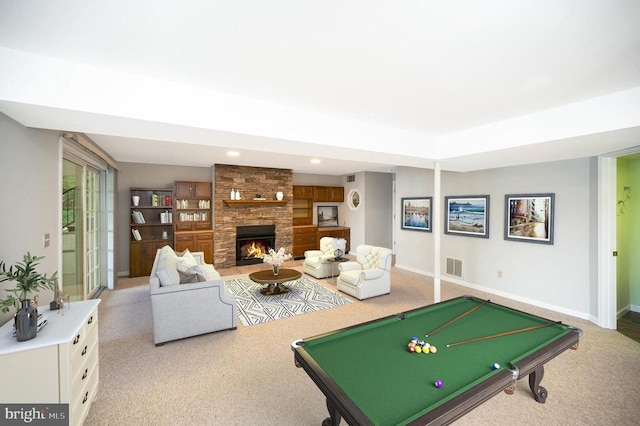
[59,365]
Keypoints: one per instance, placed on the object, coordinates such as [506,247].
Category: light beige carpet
[247,376]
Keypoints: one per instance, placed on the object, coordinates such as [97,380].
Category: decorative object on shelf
[26,322]
[59,299]
[259,197]
[237,195]
[28,281]
[279,195]
[136,200]
[276,258]
[233,194]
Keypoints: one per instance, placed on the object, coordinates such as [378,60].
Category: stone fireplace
[250,182]
[252,242]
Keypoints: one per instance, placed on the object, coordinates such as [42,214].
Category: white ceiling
[361,84]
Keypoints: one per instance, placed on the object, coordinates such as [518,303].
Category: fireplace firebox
[252,242]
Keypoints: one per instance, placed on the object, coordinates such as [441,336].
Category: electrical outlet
[46,240]
[499,273]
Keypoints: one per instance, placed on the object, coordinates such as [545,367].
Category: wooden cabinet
[305,196]
[151,227]
[300,191]
[335,232]
[308,237]
[304,238]
[192,206]
[193,190]
[60,364]
[193,218]
[141,256]
[302,211]
[196,241]
[328,194]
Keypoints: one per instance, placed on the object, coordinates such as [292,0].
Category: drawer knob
[85,374]
[86,396]
[90,319]
[76,340]
[84,351]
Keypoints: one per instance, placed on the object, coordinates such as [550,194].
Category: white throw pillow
[186,262]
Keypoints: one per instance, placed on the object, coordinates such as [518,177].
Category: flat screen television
[327,216]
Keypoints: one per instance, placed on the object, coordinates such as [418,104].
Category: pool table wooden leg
[335,418]
[535,377]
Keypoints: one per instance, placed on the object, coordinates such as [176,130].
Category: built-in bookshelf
[193,218]
[151,226]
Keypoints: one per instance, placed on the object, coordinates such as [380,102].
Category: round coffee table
[274,282]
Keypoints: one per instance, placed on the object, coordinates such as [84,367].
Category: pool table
[369,375]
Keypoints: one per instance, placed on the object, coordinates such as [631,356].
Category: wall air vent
[351,178]
[454,267]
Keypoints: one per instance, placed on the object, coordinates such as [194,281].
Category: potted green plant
[29,281]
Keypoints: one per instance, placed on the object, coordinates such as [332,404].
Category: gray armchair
[192,307]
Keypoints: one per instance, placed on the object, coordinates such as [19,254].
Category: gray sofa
[188,300]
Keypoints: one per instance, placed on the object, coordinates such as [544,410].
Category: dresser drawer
[83,372]
[84,339]
[79,406]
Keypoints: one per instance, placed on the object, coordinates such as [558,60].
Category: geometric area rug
[305,296]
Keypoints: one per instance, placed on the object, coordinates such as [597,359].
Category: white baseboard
[537,303]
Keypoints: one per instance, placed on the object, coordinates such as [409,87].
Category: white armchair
[316,262]
[369,276]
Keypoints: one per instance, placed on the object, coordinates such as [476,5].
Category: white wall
[31,190]
[556,276]
[414,249]
[379,211]
[354,219]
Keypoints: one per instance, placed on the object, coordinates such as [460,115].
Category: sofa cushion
[186,261]
[166,269]
[190,278]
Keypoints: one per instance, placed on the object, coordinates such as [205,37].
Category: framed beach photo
[416,213]
[467,215]
[529,217]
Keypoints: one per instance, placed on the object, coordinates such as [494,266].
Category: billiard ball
[433,349]
[438,383]
[495,366]
[418,349]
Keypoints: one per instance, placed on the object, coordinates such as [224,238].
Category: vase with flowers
[276,258]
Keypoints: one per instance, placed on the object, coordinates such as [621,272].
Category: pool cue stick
[506,333]
[456,318]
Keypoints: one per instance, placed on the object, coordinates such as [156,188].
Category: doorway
[84,228]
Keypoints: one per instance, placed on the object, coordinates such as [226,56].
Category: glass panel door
[72,230]
[92,233]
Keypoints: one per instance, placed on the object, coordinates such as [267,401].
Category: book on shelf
[161,200]
[166,217]
[136,234]
[137,216]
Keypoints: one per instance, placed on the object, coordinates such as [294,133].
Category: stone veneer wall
[250,181]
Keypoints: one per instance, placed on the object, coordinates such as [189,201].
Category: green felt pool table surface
[368,372]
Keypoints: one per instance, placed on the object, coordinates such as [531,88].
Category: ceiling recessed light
[315,161]
[233,153]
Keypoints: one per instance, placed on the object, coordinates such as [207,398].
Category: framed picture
[416,213]
[327,216]
[529,217]
[467,215]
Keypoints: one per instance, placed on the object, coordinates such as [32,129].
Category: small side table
[334,262]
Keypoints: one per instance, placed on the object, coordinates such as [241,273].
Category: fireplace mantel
[234,203]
